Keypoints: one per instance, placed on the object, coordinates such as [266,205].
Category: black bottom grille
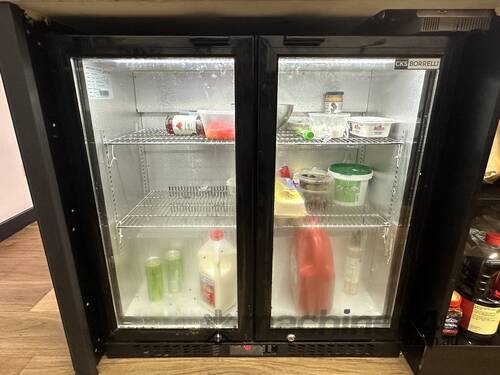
[332,350]
[176,350]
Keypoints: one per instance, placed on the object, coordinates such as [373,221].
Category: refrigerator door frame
[63,48]
[269,49]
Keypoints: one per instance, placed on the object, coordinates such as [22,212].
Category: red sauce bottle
[454,315]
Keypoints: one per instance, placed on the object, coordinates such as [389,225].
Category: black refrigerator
[261,194]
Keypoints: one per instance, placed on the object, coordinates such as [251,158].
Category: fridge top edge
[431,40]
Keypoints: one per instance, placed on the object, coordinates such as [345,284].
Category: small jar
[184,124]
[314,186]
[454,315]
[334,101]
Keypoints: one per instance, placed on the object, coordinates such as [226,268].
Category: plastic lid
[217,235]
[493,238]
[350,169]
[456,299]
[314,176]
[334,93]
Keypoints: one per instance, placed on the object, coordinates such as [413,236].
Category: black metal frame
[25,75]
[63,49]
[475,118]
[269,49]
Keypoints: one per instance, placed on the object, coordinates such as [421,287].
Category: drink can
[174,271]
[154,278]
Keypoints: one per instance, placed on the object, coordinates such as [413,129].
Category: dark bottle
[454,315]
[480,305]
[184,124]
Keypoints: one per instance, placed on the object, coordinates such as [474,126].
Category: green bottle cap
[308,135]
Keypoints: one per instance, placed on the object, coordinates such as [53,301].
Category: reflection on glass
[160,139]
[342,160]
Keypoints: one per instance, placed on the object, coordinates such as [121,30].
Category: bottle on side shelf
[480,304]
[217,266]
[454,315]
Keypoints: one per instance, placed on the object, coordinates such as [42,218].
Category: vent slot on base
[176,350]
[332,350]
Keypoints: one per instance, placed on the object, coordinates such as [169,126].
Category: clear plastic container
[332,125]
[370,126]
[314,186]
[218,125]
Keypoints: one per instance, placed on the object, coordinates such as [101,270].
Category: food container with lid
[218,125]
[350,183]
[332,125]
[370,126]
[314,185]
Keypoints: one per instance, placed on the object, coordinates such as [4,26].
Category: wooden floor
[32,339]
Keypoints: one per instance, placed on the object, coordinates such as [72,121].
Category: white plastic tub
[370,126]
[350,183]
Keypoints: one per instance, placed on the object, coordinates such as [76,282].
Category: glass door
[162,136]
[349,131]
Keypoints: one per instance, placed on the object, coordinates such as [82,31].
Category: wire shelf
[284,137]
[288,137]
[333,216]
[161,137]
[183,207]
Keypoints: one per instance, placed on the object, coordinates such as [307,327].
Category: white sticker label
[417,63]
[98,83]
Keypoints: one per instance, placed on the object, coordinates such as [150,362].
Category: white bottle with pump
[217,266]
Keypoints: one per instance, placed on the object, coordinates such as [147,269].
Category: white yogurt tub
[370,126]
[350,183]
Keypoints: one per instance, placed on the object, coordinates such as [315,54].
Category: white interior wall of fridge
[142,99]
[380,91]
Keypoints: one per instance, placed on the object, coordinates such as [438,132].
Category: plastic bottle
[481,308]
[454,315]
[352,270]
[217,267]
[312,271]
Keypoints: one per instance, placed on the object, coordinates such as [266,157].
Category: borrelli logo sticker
[417,63]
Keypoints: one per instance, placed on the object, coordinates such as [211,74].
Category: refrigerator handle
[201,41]
[302,41]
